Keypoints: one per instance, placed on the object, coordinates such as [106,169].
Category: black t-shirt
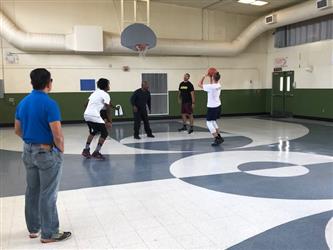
[185,89]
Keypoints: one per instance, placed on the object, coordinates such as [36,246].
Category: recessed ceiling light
[259,3]
[246,1]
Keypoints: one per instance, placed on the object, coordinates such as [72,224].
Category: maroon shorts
[186,108]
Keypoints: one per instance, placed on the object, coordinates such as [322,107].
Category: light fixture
[246,1]
[259,3]
[253,2]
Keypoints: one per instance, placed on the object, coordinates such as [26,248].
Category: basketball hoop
[142,49]
[139,38]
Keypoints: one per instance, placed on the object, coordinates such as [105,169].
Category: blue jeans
[43,169]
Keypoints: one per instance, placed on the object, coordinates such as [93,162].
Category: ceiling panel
[233,6]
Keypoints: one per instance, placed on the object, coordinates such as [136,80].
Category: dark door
[277,95]
[282,94]
[289,92]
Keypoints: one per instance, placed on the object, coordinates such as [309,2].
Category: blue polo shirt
[35,112]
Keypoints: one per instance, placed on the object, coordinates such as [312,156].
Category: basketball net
[142,49]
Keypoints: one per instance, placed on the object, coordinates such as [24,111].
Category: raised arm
[200,84]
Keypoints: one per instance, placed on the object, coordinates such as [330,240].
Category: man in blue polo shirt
[37,122]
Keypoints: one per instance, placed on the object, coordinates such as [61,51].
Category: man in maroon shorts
[187,100]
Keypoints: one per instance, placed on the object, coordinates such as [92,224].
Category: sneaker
[98,156]
[221,139]
[57,237]
[182,129]
[137,137]
[86,153]
[190,131]
[216,142]
[151,136]
[33,235]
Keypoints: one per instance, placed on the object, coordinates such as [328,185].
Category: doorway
[282,94]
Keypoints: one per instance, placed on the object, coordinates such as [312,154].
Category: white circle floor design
[228,162]
[329,233]
[288,171]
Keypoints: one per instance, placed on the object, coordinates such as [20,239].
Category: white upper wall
[312,63]
[225,26]
[168,21]
[60,16]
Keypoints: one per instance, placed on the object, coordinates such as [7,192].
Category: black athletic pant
[138,116]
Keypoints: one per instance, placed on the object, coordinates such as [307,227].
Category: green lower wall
[71,105]
[316,103]
[268,100]
[313,103]
[233,102]
[307,102]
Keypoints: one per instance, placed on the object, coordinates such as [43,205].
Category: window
[313,30]
[281,83]
[288,83]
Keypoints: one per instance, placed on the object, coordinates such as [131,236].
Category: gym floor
[268,186]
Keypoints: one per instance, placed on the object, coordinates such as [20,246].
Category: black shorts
[96,128]
[213,113]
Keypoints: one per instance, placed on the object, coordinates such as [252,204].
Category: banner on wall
[87,84]
[280,62]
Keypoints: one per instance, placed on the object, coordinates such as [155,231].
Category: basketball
[211,71]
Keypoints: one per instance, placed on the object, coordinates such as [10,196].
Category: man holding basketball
[187,100]
[213,89]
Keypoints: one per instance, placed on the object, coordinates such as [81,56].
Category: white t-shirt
[213,94]
[97,101]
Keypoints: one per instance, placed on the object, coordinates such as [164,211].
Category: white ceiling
[233,6]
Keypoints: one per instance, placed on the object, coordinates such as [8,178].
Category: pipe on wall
[30,41]
[62,43]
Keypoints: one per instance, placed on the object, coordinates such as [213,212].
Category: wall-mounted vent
[87,38]
[323,4]
[270,19]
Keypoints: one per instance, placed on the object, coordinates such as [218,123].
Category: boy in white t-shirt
[213,89]
[98,101]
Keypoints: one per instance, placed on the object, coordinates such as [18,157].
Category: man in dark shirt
[140,100]
[187,100]
[38,123]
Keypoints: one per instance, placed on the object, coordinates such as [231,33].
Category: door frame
[287,93]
